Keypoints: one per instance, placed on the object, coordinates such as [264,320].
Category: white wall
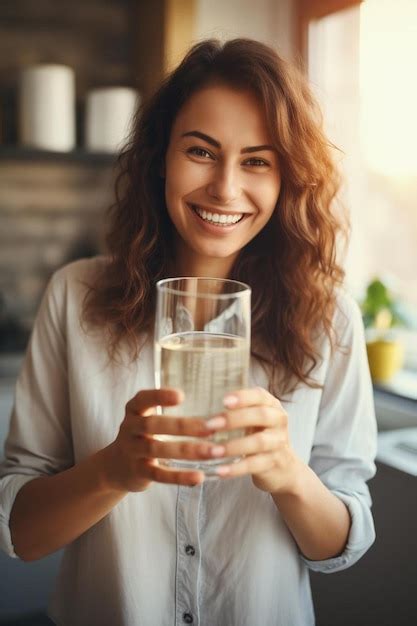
[269,21]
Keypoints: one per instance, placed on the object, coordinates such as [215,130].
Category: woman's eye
[256,162]
[200,152]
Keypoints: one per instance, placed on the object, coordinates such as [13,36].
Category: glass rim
[162,287]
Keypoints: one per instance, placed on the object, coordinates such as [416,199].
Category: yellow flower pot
[385,359]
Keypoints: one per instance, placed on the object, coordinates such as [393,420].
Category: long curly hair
[291,265]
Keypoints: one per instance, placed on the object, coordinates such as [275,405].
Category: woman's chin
[215,261]
[219,253]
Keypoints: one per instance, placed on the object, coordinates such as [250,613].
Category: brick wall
[50,213]
[51,208]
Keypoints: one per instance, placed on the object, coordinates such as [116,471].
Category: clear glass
[202,346]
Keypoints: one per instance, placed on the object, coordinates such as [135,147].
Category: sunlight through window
[388,60]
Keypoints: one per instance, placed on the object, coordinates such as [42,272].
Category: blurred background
[72,73]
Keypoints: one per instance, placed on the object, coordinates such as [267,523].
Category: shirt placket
[188,556]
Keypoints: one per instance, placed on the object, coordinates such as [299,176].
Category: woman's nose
[225,184]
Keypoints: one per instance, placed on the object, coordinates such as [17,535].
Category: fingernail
[216,422]
[217,451]
[223,470]
[230,401]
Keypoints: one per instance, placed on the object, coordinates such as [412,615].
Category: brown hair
[291,264]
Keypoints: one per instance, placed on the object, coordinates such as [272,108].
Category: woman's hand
[269,457]
[131,460]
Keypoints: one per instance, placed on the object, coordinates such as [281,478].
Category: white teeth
[216,218]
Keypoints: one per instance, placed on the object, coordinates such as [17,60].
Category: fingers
[255,464]
[254,416]
[251,397]
[266,440]
[254,410]
[169,425]
[143,406]
[151,447]
[160,474]
[265,427]
[150,398]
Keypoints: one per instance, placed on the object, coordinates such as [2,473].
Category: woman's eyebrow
[217,144]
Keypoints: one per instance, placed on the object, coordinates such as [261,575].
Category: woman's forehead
[225,111]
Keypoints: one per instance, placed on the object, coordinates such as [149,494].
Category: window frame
[310,10]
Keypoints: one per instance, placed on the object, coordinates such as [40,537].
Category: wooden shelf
[79,155]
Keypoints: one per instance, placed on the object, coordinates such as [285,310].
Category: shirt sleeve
[39,440]
[345,441]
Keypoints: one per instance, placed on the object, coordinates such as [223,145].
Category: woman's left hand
[267,451]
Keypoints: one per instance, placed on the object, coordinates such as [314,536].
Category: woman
[232,135]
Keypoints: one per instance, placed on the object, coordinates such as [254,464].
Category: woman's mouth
[222,220]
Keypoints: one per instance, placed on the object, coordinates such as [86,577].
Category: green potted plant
[381,314]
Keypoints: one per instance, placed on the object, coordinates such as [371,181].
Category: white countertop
[398,448]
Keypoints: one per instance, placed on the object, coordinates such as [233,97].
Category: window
[360,58]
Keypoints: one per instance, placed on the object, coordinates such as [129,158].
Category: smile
[217,219]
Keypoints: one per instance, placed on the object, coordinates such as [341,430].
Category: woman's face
[222,177]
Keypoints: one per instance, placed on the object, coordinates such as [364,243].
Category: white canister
[47,107]
[108,117]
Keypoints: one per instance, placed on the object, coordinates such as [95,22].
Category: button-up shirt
[217,553]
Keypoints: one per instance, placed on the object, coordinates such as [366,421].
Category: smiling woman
[227,175]
[217,196]
[233,131]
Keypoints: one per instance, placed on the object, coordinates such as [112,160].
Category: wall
[50,208]
[50,213]
[270,21]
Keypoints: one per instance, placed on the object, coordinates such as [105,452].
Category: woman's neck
[208,267]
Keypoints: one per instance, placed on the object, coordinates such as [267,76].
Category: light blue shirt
[219,553]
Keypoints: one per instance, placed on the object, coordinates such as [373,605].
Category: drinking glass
[202,346]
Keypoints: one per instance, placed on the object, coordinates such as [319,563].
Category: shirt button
[190,550]
[187,618]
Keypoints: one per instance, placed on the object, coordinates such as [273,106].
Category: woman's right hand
[131,460]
